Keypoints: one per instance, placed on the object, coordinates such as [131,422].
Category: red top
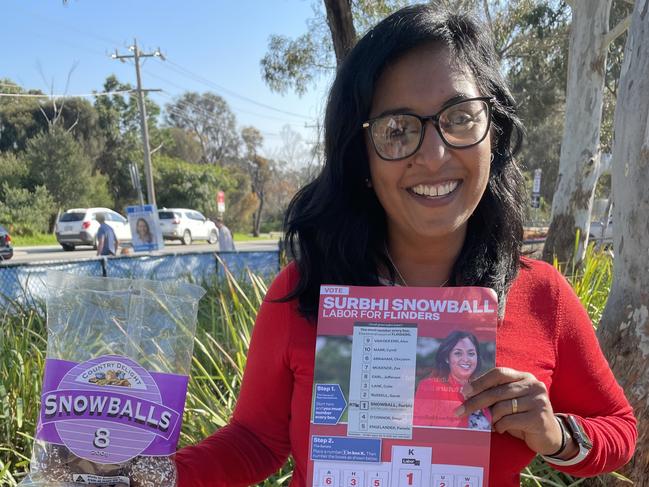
[435,400]
[545,331]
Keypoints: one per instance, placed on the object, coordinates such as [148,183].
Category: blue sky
[220,41]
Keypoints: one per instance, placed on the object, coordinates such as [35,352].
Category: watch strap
[564,438]
[576,432]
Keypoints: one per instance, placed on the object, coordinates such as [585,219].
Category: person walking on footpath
[225,236]
[107,243]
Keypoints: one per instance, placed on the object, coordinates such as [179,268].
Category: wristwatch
[571,428]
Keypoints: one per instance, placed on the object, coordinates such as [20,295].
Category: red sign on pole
[220,201]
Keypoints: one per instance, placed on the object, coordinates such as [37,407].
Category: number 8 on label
[102,438]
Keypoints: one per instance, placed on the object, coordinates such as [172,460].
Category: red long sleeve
[256,443]
[583,385]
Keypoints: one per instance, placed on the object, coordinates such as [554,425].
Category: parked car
[79,226]
[6,250]
[186,225]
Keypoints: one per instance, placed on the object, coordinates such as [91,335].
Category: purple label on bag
[110,409]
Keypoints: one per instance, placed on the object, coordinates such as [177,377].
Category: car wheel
[187,238]
[67,247]
[213,237]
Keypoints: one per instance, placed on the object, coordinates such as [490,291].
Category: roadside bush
[25,212]
[180,184]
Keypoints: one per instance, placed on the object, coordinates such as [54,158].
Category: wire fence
[23,285]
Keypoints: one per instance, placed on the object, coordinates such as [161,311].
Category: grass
[22,357]
[34,240]
[225,319]
[243,237]
[50,239]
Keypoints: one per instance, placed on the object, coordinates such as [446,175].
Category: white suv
[186,225]
[79,226]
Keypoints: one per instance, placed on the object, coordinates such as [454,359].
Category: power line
[197,77]
[176,67]
[193,106]
[84,95]
[212,117]
[234,108]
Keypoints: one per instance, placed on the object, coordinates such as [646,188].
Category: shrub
[25,212]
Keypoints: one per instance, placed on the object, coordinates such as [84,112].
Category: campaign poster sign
[390,364]
[145,228]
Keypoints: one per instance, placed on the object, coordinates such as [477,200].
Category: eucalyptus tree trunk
[580,149]
[341,25]
[624,330]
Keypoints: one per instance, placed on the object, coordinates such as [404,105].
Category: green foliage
[82,153]
[591,280]
[18,121]
[295,64]
[179,144]
[183,185]
[535,53]
[58,162]
[118,137]
[24,118]
[24,212]
[208,118]
[22,357]
[13,170]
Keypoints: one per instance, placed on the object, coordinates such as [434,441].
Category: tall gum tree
[579,165]
[624,330]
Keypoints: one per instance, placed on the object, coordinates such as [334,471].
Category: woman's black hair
[442,366]
[335,225]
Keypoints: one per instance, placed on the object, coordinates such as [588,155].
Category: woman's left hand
[519,405]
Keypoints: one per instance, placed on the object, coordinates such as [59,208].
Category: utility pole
[137,54]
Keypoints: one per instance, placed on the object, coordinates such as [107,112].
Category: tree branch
[617,31]
[73,125]
[485,7]
[509,46]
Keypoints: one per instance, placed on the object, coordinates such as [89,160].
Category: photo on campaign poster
[443,365]
[145,228]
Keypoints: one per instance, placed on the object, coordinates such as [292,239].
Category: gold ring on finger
[514,406]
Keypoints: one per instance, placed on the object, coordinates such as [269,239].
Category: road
[55,252]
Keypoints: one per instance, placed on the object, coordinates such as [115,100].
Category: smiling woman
[420,187]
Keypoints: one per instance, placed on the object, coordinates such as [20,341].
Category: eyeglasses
[460,125]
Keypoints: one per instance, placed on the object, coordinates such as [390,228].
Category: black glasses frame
[434,119]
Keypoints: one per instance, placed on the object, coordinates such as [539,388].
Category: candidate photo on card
[457,358]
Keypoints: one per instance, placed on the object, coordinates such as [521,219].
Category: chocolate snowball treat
[151,472]
[118,359]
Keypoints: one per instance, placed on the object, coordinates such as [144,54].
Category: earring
[368,183]
[492,158]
